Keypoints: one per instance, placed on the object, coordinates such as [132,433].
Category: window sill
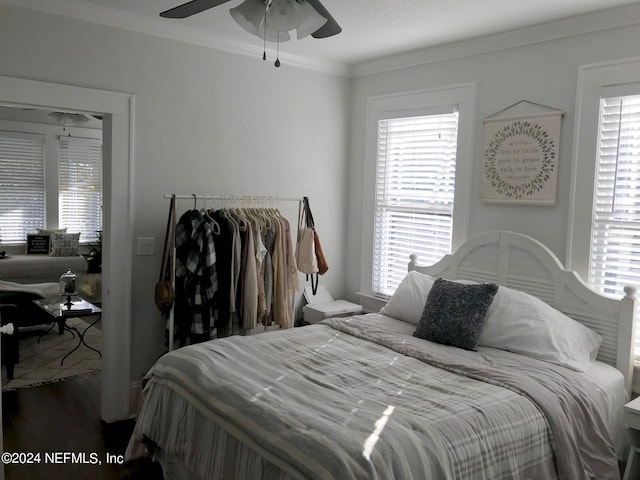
[370,302]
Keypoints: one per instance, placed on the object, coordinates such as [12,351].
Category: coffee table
[63,308]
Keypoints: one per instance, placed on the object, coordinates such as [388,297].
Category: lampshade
[284,15]
[311,21]
[68,283]
[249,15]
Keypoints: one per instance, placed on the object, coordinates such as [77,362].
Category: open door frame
[117,219]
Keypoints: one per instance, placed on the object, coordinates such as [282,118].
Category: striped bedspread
[352,399]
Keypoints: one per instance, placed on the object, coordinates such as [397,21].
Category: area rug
[40,362]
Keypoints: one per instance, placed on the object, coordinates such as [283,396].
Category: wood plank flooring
[62,417]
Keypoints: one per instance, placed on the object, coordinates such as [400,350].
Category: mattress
[611,397]
[324,402]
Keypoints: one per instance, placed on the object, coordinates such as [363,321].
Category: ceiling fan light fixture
[270,20]
[311,22]
[285,15]
[66,118]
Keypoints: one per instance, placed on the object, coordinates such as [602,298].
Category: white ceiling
[371,28]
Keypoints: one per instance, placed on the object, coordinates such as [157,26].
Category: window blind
[615,231]
[80,186]
[414,194]
[21,185]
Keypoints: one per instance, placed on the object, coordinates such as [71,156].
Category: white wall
[216,122]
[205,121]
[544,72]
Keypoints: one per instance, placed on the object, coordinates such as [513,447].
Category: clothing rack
[235,201]
[235,198]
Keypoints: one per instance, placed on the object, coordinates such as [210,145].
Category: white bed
[363,398]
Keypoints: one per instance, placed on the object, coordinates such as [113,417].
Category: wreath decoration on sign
[547,146]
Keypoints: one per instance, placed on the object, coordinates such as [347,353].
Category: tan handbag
[305,249]
[164,295]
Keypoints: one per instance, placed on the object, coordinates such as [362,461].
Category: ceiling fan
[270,20]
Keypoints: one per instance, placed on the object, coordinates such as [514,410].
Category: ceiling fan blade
[328,29]
[191,8]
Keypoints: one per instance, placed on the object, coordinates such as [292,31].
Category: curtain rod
[265,198]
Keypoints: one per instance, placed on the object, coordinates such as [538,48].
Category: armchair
[17,307]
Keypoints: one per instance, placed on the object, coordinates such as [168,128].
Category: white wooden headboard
[520,262]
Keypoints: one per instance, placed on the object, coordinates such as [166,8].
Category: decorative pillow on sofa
[407,302]
[65,244]
[524,324]
[455,313]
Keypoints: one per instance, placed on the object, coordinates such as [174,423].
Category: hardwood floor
[63,418]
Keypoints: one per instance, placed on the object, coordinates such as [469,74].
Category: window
[415,184]
[49,180]
[80,186]
[417,179]
[615,228]
[604,233]
[22,185]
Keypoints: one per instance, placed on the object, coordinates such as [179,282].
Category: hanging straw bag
[164,295]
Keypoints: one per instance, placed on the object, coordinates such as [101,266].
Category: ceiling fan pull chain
[277,64]
[264,36]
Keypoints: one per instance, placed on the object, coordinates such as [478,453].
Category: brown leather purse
[323,266]
[322,261]
[164,295]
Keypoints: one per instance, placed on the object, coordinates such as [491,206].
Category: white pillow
[521,323]
[407,302]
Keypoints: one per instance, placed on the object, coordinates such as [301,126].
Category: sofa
[39,268]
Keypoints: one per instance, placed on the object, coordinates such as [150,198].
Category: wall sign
[38,244]
[521,159]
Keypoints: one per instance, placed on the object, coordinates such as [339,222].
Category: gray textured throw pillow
[65,244]
[454,313]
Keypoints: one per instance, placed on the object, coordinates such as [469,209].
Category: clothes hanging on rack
[196,277]
[235,271]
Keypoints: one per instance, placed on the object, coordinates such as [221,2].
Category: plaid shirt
[196,277]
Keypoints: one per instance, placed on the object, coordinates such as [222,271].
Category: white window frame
[417,103]
[594,82]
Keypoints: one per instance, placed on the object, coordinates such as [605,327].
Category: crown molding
[594,22]
[112,17]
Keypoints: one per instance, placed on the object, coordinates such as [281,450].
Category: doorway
[117,111]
